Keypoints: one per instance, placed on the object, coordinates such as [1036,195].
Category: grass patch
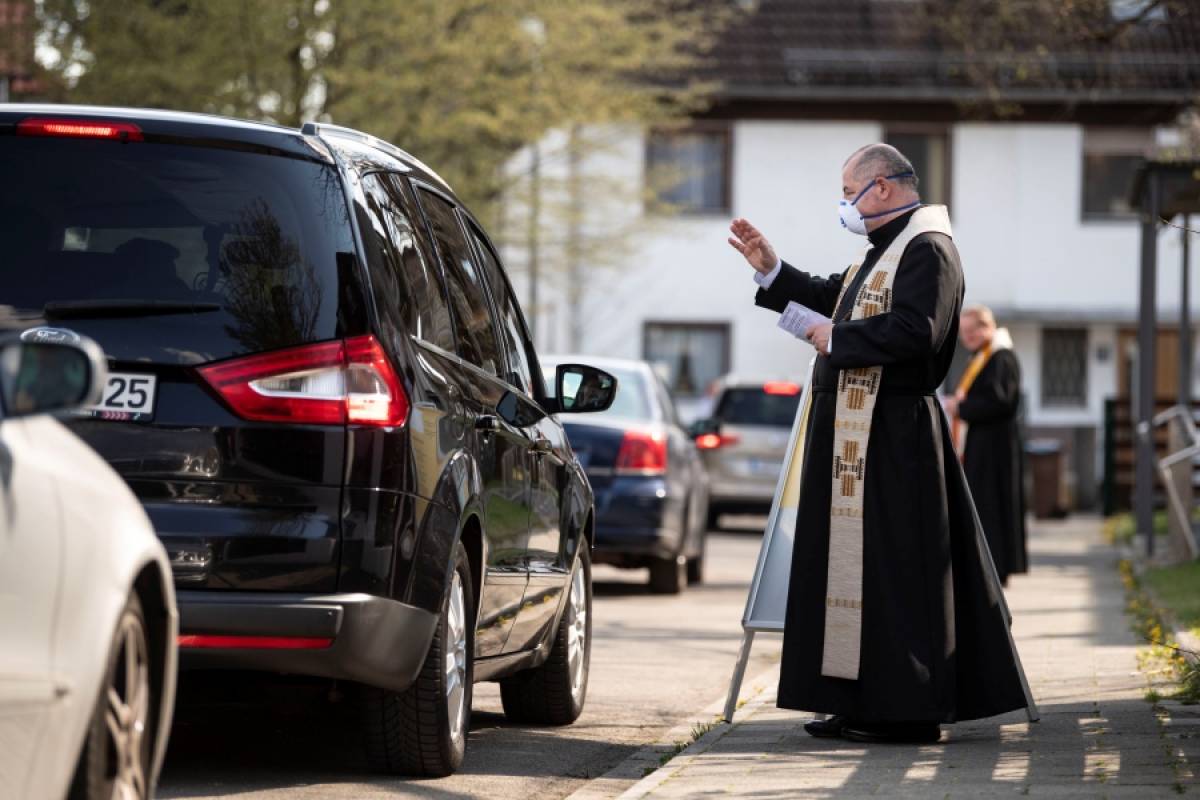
[1149,622]
[1178,589]
[1120,529]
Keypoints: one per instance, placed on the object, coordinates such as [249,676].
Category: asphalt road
[655,661]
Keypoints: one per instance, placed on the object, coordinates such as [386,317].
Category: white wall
[1016,209]
[787,181]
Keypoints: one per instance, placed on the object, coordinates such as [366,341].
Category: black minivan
[322,388]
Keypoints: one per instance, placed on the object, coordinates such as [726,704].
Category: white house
[1039,201]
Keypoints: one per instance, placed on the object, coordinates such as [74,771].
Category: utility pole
[575,281]
[536,30]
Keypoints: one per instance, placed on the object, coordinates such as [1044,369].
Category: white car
[88,623]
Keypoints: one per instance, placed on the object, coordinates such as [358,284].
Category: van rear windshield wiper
[91,309]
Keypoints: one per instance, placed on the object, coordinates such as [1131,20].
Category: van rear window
[253,237]
[754,406]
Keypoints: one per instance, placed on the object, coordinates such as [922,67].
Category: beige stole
[857,391]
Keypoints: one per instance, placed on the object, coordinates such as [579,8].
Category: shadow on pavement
[237,732]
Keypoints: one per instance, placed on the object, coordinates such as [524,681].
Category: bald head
[880,160]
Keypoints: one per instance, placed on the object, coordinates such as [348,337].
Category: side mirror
[39,377]
[518,412]
[580,388]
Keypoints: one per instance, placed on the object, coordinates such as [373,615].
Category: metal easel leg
[739,672]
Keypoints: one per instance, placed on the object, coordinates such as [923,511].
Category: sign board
[766,606]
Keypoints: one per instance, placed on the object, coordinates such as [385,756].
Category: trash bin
[1046,465]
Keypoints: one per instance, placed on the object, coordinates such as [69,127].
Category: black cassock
[992,459]
[934,642]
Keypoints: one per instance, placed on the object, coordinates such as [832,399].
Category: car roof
[602,362]
[360,150]
[754,381]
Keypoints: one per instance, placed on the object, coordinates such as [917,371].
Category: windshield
[754,406]
[633,396]
[251,238]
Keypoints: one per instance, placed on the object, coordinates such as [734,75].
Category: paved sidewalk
[1098,736]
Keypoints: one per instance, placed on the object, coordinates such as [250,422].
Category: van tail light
[329,383]
[80,129]
[642,453]
[713,441]
[781,387]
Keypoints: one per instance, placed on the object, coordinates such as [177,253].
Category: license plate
[128,397]
[761,468]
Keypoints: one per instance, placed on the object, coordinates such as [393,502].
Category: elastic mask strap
[893,211]
[867,188]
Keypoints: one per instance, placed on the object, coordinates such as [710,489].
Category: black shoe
[830,728]
[894,733]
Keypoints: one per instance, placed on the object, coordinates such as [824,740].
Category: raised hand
[750,242]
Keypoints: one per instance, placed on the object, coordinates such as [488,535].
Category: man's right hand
[748,241]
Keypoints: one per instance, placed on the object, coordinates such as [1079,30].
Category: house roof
[850,50]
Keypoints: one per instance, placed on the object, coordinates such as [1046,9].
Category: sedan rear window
[755,406]
[252,238]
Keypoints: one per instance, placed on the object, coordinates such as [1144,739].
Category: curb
[655,763]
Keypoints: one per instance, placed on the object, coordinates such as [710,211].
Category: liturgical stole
[856,395]
[1001,340]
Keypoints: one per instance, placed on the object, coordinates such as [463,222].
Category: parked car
[323,391]
[87,611]
[744,442]
[650,484]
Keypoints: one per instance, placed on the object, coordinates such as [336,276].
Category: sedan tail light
[329,383]
[712,441]
[642,453]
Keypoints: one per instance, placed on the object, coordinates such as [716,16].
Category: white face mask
[856,222]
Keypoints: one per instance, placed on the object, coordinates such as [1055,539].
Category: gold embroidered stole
[856,395]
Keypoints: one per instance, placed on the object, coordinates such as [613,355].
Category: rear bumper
[732,491]
[637,519]
[634,547]
[371,640]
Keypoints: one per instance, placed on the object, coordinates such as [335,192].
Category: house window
[1111,157]
[688,171]
[694,354]
[1064,367]
[929,152]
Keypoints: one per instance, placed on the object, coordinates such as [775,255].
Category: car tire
[714,518]
[668,575]
[695,566]
[554,693]
[118,751]
[422,731]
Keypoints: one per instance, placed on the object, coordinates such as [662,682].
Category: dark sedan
[650,484]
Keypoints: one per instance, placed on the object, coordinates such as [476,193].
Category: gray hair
[880,160]
[981,313]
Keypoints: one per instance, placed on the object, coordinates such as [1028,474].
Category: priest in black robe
[987,435]
[934,645]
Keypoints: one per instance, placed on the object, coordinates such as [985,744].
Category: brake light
[711,441]
[254,642]
[80,129]
[330,383]
[642,453]
[781,387]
